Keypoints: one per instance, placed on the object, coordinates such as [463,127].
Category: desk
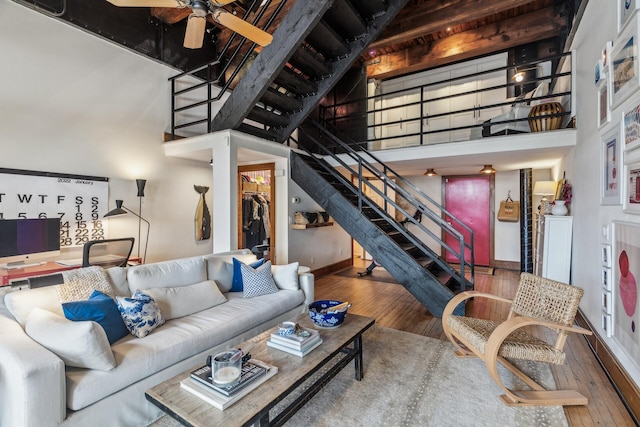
[51,267]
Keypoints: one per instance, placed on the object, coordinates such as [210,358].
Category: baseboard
[506,265]
[340,265]
[622,382]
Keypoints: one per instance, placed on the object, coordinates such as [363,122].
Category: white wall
[74,103]
[598,26]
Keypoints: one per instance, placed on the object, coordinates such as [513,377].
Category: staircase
[408,259]
[314,45]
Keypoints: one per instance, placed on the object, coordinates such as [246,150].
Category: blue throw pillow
[100,308]
[140,313]
[236,283]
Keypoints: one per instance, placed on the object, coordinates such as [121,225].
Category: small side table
[546,116]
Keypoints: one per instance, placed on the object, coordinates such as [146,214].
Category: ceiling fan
[194,34]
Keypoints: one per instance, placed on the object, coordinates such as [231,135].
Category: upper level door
[469,198]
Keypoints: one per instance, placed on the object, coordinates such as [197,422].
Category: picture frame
[626,11]
[624,296]
[631,185]
[607,324]
[604,114]
[606,255]
[610,185]
[606,53]
[606,279]
[598,72]
[606,302]
[624,65]
[631,125]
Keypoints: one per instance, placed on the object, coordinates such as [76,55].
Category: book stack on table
[300,343]
[201,384]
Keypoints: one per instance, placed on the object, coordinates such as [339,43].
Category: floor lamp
[122,210]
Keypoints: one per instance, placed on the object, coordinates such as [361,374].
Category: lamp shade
[544,188]
[431,172]
[117,211]
[140,183]
[488,169]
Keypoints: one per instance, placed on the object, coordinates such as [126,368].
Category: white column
[225,196]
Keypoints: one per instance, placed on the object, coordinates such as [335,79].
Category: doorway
[256,212]
[470,199]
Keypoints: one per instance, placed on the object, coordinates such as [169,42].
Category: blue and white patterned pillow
[257,281]
[140,313]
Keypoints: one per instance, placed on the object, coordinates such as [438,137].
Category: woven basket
[539,120]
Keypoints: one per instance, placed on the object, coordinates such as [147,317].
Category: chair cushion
[140,313]
[518,345]
[78,344]
[101,309]
[185,300]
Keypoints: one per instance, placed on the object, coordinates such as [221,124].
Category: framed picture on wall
[626,270]
[610,191]
[606,255]
[606,279]
[631,125]
[624,64]
[631,187]
[626,11]
[604,115]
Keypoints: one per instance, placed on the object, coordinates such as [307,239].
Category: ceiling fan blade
[242,27]
[221,2]
[194,35]
[146,3]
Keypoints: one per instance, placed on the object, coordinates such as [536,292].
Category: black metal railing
[559,90]
[407,193]
[213,73]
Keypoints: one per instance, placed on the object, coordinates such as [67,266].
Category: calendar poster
[79,201]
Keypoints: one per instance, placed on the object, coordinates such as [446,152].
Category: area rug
[411,380]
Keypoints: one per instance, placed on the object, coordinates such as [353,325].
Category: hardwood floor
[393,306]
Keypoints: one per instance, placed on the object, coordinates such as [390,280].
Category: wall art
[610,188]
[626,11]
[631,186]
[624,64]
[631,126]
[626,270]
[604,115]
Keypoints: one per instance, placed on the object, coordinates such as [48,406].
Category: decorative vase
[559,208]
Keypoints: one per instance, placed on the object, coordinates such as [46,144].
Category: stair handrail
[407,196]
[351,152]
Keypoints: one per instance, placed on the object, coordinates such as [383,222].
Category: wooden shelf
[316,225]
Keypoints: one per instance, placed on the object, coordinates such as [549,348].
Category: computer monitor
[25,241]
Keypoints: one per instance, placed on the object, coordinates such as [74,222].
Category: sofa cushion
[20,303]
[78,344]
[140,313]
[258,281]
[237,282]
[176,340]
[80,283]
[100,308]
[286,276]
[185,300]
[220,267]
[167,274]
[118,279]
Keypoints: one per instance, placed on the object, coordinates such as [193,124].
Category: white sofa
[37,389]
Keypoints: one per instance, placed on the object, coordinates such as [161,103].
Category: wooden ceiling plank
[531,27]
[170,15]
[425,19]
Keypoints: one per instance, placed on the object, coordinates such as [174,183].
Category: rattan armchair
[538,301]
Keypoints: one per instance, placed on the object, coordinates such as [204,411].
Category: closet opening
[256,212]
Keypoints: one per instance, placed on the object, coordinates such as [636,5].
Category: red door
[468,199]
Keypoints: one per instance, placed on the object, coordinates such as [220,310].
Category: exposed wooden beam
[542,24]
[433,16]
[297,24]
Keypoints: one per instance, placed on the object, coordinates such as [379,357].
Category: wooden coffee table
[339,347]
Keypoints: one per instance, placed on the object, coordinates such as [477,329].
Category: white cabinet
[554,235]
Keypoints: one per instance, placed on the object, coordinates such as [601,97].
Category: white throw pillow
[286,276]
[20,303]
[185,300]
[79,344]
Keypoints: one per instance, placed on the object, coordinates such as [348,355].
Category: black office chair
[107,253]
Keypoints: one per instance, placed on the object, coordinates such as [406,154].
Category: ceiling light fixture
[488,169]
[431,172]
